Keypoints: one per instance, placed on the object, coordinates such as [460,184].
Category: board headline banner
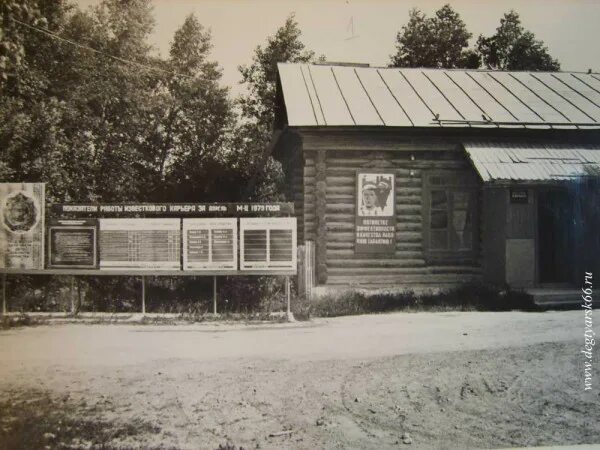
[171,209]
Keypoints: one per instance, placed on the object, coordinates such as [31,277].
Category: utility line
[85,47]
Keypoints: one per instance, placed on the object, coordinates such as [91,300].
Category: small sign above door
[519,196]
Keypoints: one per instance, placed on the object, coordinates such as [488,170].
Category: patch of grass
[22,320]
[260,316]
[37,420]
[466,297]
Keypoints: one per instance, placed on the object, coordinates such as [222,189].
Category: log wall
[328,218]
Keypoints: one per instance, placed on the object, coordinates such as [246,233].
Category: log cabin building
[427,178]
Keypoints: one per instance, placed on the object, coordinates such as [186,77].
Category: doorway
[555,236]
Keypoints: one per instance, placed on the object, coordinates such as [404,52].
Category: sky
[365,31]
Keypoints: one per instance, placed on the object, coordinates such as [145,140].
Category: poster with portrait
[22,227]
[375,212]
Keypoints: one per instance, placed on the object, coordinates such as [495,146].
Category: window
[449,214]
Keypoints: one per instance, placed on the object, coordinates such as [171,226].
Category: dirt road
[448,380]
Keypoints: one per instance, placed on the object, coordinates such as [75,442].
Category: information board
[140,244]
[210,244]
[375,212]
[22,228]
[268,243]
[171,209]
[72,243]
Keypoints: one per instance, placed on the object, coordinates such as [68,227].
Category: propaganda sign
[22,228]
[375,212]
[72,243]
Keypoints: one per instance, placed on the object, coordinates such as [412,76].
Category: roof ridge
[361,65]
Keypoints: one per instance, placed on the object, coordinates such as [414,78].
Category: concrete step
[556,296]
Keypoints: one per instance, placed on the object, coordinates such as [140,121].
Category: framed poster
[210,244]
[375,212]
[72,243]
[144,244]
[22,230]
[268,243]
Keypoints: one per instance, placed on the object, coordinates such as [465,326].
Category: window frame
[455,181]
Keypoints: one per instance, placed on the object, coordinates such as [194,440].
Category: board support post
[143,294]
[215,295]
[4,311]
[288,295]
[72,295]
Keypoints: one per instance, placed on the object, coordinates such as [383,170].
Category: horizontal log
[454,269]
[341,198]
[341,189]
[339,226]
[390,273]
[408,209]
[401,279]
[351,181]
[341,207]
[373,265]
[348,189]
[350,253]
[410,216]
[437,165]
[400,247]
[368,143]
[408,190]
[350,171]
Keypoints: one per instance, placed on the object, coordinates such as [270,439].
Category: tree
[196,126]
[439,41]
[514,48]
[15,15]
[258,105]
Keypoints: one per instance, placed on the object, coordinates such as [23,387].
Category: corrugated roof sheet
[529,162]
[330,95]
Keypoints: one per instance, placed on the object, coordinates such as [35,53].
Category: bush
[466,297]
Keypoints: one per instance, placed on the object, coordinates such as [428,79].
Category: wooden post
[215,295]
[4,294]
[320,210]
[143,294]
[287,293]
[72,295]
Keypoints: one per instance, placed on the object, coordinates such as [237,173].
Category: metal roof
[331,95]
[530,162]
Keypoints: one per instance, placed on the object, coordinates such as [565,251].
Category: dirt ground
[448,380]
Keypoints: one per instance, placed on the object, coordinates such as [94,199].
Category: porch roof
[533,162]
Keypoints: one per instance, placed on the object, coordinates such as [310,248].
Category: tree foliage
[514,48]
[438,41]
[111,122]
[442,41]
[257,107]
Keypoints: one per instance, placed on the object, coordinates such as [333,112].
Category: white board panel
[268,243]
[142,244]
[210,244]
